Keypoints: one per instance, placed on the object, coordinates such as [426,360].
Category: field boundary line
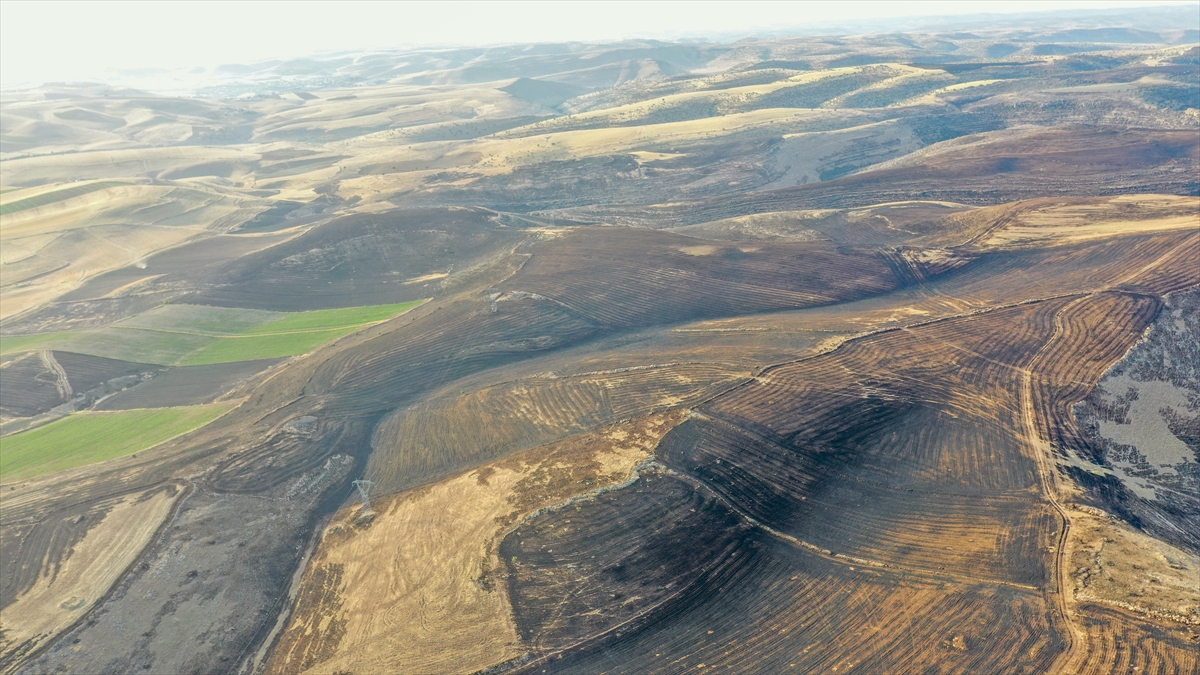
[238,336]
[836,472]
[763,370]
[839,558]
[1149,267]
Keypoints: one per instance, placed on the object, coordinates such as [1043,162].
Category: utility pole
[364,489]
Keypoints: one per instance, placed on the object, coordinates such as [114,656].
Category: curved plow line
[1068,661]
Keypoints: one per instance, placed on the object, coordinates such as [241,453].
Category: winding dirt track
[1065,663]
[61,383]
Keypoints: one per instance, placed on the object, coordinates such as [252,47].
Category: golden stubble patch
[86,571]
[414,589]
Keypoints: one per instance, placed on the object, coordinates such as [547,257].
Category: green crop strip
[191,335]
[13,344]
[267,346]
[295,333]
[90,437]
[334,318]
[56,196]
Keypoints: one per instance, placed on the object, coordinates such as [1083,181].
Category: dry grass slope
[415,588]
[77,578]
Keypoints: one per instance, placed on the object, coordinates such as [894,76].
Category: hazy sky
[55,41]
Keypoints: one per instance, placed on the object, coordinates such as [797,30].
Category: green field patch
[141,346]
[90,437]
[334,318]
[13,344]
[294,333]
[193,335]
[201,319]
[55,196]
[266,346]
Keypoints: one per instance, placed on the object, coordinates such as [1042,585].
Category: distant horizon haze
[118,42]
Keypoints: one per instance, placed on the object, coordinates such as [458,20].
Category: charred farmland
[795,355]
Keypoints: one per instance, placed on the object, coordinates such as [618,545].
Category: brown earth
[402,590]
